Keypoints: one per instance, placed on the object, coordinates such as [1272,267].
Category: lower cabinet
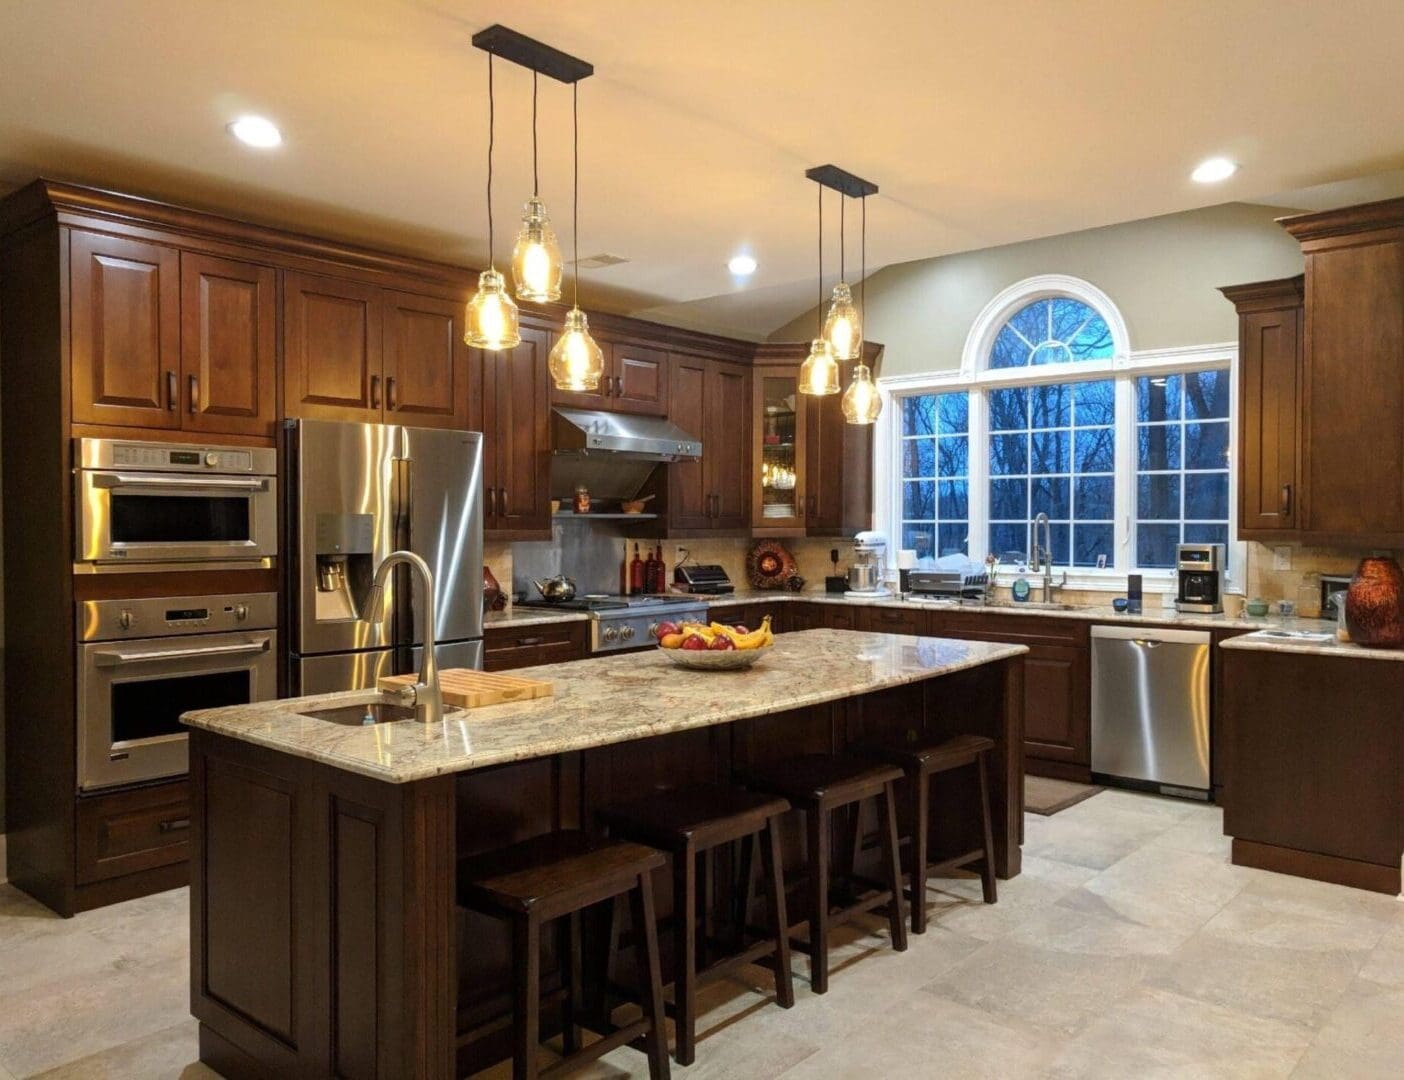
[129,831]
[506,647]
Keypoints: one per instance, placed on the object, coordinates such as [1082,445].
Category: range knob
[611,634]
[653,630]
[126,619]
[211,459]
[626,633]
[241,612]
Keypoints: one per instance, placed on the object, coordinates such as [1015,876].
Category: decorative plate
[720,660]
[769,565]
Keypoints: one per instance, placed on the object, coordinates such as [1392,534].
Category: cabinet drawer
[1016,629]
[526,646]
[886,620]
[129,831]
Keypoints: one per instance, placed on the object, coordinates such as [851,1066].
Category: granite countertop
[1154,616]
[600,701]
[1270,641]
[530,616]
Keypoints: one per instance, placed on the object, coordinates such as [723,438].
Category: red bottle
[636,573]
[660,571]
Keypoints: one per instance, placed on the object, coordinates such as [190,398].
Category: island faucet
[1045,562]
[425,695]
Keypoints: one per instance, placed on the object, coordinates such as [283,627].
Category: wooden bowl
[720,660]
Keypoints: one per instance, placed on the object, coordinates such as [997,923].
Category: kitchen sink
[374,712]
[1032,605]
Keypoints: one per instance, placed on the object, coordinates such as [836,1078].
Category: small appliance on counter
[705,578]
[868,570]
[946,585]
[1333,595]
[1199,574]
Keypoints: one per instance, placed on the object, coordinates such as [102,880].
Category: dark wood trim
[1310,864]
[174,435]
[172,583]
[1057,770]
[1266,295]
[1345,222]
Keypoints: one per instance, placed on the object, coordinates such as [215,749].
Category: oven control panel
[175,457]
[169,616]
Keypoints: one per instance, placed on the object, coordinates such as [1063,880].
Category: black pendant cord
[575,186]
[535,170]
[821,260]
[843,206]
[863,275]
[491,129]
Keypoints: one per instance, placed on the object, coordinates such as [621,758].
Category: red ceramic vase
[1374,615]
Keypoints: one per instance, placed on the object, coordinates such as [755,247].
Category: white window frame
[1124,367]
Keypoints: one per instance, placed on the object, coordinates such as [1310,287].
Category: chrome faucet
[425,695]
[1045,562]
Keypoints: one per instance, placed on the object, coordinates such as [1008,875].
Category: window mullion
[978,473]
[1124,531]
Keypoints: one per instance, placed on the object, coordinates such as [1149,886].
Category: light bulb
[536,260]
[861,403]
[842,327]
[819,374]
[491,317]
[576,361]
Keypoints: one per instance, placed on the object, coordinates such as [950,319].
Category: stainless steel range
[627,622]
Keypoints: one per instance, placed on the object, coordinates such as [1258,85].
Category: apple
[666,628]
[740,629]
[721,643]
[694,642]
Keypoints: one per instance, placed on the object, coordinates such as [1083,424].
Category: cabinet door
[689,490]
[778,481]
[331,349]
[1269,363]
[726,444]
[521,431]
[125,331]
[228,345]
[1057,704]
[426,361]
[639,380]
[823,451]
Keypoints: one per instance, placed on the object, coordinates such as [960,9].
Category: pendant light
[819,374]
[861,402]
[491,318]
[576,362]
[843,329]
[536,260]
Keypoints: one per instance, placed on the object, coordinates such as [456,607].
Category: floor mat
[1046,796]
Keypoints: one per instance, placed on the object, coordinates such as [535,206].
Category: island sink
[374,712]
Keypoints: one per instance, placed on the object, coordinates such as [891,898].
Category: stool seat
[952,753]
[557,872]
[703,815]
[823,780]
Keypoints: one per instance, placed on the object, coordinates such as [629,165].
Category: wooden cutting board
[469,689]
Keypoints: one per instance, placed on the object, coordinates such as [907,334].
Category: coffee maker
[1199,574]
[869,566]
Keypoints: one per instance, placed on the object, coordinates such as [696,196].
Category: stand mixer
[868,570]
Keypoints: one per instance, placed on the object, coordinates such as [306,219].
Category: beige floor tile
[1161,887]
[1096,838]
[1199,833]
[1363,1039]
[1161,1034]
[1385,965]
[171,1052]
[1265,916]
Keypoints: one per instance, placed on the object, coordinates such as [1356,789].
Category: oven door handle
[202,483]
[116,659]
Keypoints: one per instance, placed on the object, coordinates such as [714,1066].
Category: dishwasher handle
[1150,637]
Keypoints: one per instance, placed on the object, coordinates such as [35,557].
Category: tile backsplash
[1302,583]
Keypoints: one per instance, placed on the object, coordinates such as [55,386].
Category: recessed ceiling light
[1213,170]
[742,265]
[256,131]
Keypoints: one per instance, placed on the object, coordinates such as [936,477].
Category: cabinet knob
[1286,501]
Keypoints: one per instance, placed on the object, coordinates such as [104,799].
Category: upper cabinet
[228,345]
[1269,395]
[426,361]
[635,380]
[711,399]
[779,414]
[511,406]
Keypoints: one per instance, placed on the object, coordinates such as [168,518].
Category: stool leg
[887,823]
[817,824]
[780,924]
[646,944]
[706,896]
[987,867]
[685,949]
[921,830]
[526,1027]
[742,901]
[570,978]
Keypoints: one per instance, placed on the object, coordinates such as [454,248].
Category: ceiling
[984,124]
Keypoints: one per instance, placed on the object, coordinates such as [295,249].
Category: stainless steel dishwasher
[1150,708]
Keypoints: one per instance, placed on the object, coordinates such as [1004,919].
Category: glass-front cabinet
[778,489]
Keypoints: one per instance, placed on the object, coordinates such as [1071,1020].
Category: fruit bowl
[715,659]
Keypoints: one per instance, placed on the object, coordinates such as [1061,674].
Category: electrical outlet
[1282,558]
[679,554]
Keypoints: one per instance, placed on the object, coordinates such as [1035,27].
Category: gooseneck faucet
[1042,557]
[425,695]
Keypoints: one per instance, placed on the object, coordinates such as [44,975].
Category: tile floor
[1129,947]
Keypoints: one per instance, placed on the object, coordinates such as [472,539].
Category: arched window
[1051,330]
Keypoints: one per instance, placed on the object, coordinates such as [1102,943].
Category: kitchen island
[325,939]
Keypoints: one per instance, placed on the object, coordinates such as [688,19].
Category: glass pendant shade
[842,327]
[576,361]
[861,403]
[819,374]
[536,260]
[491,321]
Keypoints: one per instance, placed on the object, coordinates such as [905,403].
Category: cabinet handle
[375,392]
[714,506]
[174,825]
[1286,502]
[194,393]
[502,501]
[490,497]
[171,391]
[392,399]
[529,641]
[618,386]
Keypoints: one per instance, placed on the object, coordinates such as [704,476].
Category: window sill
[1112,581]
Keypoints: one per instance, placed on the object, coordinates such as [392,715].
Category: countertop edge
[1338,650]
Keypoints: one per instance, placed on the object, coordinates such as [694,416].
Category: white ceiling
[983,123]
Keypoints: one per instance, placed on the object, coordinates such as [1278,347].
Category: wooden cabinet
[838,471]
[129,831]
[332,349]
[511,406]
[425,361]
[635,380]
[125,331]
[778,451]
[506,647]
[228,345]
[710,400]
[1269,394]
[884,620]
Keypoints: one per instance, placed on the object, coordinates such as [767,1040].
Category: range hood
[588,432]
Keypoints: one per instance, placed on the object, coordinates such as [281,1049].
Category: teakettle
[557,589]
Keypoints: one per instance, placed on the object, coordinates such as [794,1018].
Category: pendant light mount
[535,55]
[842,181]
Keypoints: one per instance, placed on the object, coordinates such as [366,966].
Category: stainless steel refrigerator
[353,494]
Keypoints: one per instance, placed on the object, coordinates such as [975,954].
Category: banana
[756,639]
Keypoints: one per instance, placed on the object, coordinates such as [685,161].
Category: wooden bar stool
[689,824]
[557,876]
[920,763]
[819,784]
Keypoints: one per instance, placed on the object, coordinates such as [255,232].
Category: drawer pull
[174,825]
[530,641]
